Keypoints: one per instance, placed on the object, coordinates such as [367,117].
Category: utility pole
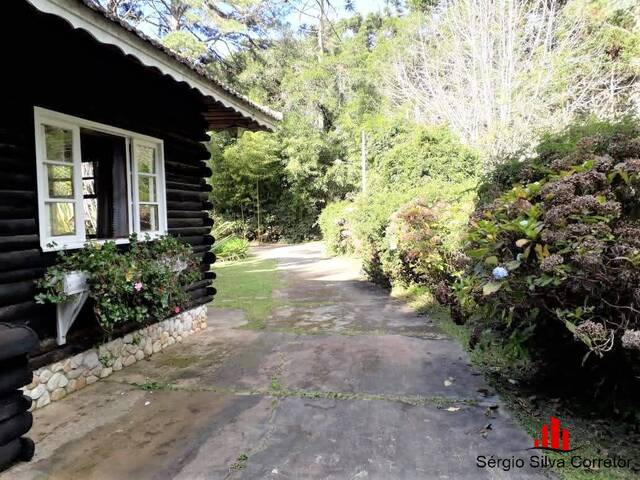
[258,205]
[363,160]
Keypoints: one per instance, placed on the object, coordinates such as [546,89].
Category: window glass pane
[147,189]
[61,219]
[145,156]
[60,180]
[59,143]
[91,216]
[87,169]
[88,187]
[148,218]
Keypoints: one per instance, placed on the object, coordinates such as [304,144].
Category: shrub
[231,248]
[558,257]
[522,169]
[402,236]
[416,251]
[334,225]
[144,283]
[424,236]
[410,155]
[230,242]
[223,228]
[408,227]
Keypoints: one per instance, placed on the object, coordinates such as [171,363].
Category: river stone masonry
[56,381]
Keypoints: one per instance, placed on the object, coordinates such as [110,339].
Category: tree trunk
[321,29]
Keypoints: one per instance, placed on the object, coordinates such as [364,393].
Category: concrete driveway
[343,383]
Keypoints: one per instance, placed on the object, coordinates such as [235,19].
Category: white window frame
[48,243]
[160,186]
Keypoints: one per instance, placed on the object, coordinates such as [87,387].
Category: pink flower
[177,310]
[137,286]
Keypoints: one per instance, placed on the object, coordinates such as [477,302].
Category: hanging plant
[142,284]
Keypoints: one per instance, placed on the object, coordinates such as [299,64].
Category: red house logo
[559,440]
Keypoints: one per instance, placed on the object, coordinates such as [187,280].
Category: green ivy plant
[142,284]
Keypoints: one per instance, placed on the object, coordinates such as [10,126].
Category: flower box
[75,282]
[75,285]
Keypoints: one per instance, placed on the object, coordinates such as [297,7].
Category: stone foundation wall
[56,381]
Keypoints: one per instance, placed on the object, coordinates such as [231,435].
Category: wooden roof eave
[130,42]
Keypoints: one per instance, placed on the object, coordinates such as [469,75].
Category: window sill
[77,245]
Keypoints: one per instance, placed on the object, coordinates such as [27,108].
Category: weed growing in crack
[240,462]
[414,400]
[277,391]
[152,386]
[275,384]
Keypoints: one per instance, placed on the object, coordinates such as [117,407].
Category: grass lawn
[247,285]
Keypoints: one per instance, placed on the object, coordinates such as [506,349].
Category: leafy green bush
[143,284]
[334,225]
[402,236]
[224,228]
[557,257]
[407,228]
[230,242]
[231,248]
[409,155]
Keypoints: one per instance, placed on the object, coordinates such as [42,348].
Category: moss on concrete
[177,361]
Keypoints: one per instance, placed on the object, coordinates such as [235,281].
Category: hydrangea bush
[420,245]
[558,255]
[141,284]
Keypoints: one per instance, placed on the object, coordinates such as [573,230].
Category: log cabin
[84,89]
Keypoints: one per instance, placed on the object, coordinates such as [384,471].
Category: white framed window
[96,182]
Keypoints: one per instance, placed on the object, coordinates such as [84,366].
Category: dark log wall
[16,342]
[48,64]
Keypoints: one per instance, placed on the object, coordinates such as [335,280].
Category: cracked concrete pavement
[344,382]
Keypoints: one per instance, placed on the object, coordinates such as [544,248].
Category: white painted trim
[162,214]
[135,211]
[43,116]
[159,176]
[71,121]
[109,32]
[130,204]
[42,183]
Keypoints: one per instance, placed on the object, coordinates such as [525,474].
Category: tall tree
[499,71]
[319,17]
[129,10]
[205,30]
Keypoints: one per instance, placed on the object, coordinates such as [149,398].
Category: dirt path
[342,383]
